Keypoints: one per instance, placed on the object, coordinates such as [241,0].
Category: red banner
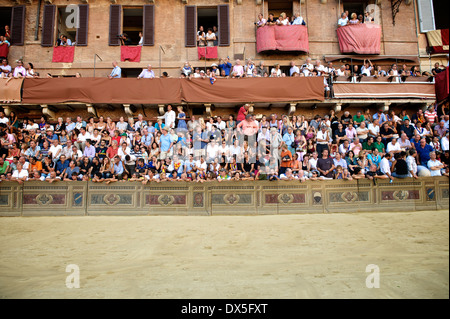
[63,54]
[441,85]
[132,54]
[208,52]
[282,37]
[364,38]
[4,50]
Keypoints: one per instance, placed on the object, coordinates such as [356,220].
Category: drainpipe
[417,34]
[38,14]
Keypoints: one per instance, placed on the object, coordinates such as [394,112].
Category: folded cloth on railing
[438,40]
[10,89]
[208,52]
[283,38]
[364,38]
[132,54]
[63,54]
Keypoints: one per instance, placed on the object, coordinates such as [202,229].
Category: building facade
[169,39]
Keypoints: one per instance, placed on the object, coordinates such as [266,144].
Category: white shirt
[4,120]
[21,174]
[123,153]
[434,163]
[54,150]
[275,72]
[212,151]
[365,70]
[222,125]
[169,118]
[343,22]
[19,69]
[293,70]
[361,135]
[313,163]
[323,136]
[201,165]
[339,72]
[384,166]
[412,165]
[84,137]
[121,126]
[391,147]
[375,130]
[146,74]
[444,143]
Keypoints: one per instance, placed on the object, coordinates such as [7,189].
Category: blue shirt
[118,169]
[116,72]
[381,117]
[60,166]
[165,141]
[227,67]
[424,153]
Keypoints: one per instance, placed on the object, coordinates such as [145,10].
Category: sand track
[286,256]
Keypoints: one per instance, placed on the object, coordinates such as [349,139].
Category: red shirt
[111,152]
[241,114]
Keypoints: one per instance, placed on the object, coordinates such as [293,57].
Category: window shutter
[190,20]
[18,25]
[48,26]
[115,23]
[149,25]
[426,15]
[82,31]
[224,25]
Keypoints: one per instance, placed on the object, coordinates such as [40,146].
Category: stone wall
[221,198]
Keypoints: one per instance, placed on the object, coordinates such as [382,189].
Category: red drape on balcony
[362,38]
[130,53]
[283,38]
[4,50]
[442,85]
[209,53]
[63,54]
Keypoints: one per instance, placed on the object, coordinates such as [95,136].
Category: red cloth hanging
[63,54]
[130,53]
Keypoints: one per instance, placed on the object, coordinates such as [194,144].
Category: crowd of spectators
[173,148]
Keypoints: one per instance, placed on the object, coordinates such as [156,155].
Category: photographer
[124,40]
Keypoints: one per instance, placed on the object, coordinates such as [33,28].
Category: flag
[438,40]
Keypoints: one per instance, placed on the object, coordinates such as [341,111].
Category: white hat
[213,64]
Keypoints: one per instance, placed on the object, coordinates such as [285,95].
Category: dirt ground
[226,257]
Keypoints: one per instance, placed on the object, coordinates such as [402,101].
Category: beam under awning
[356,57]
